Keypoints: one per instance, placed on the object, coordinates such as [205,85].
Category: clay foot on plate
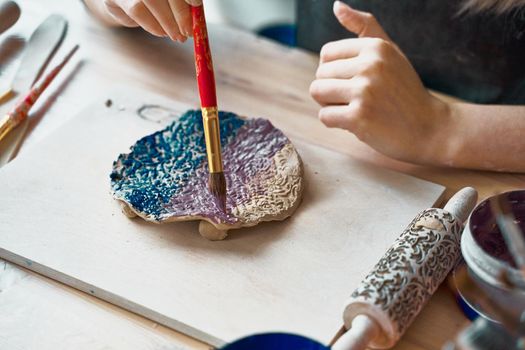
[211,232]
[126,210]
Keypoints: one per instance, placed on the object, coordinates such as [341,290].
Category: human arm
[170,18]
[367,86]
[486,137]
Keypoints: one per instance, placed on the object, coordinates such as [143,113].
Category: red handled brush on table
[21,109]
[210,112]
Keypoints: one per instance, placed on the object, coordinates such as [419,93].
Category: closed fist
[368,87]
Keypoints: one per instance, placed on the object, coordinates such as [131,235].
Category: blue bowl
[275,341]
[283,33]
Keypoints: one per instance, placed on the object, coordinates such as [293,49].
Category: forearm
[98,9]
[486,137]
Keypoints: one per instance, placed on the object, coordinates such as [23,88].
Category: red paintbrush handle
[23,106]
[21,109]
[203,62]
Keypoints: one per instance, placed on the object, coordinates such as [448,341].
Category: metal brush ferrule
[210,119]
[6,125]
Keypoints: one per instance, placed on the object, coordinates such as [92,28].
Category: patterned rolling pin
[394,292]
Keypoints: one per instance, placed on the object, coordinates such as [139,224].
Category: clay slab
[58,218]
[164,177]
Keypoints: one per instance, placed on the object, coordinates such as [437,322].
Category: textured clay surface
[164,178]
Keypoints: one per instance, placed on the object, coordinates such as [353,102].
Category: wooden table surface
[255,77]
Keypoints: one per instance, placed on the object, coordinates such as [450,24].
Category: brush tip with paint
[217,186]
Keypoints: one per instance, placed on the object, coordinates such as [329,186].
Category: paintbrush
[21,109]
[210,112]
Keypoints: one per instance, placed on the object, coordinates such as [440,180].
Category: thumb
[363,24]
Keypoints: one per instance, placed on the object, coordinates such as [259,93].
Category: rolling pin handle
[363,331]
[462,203]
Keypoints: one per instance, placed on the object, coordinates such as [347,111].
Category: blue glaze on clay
[159,164]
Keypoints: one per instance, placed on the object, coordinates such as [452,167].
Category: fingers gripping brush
[210,113]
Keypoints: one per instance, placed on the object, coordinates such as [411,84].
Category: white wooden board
[41,314]
[57,218]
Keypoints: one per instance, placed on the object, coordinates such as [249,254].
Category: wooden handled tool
[21,109]
[210,112]
[394,292]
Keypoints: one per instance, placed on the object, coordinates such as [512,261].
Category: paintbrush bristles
[217,187]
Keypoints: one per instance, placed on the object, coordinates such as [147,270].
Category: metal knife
[9,14]
[40,48]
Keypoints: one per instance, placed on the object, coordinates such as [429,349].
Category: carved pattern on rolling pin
[412,269]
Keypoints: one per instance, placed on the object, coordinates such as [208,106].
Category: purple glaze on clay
[248,162]
[165,175]
[486,232]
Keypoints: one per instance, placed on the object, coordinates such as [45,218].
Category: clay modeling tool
[210,113]
[19,113]
[9,14]
[394,292]
[40,48]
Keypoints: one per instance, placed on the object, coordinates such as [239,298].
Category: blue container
[283,33]
[275,341]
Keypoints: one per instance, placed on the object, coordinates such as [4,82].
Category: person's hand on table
[368,87]
[171,18]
